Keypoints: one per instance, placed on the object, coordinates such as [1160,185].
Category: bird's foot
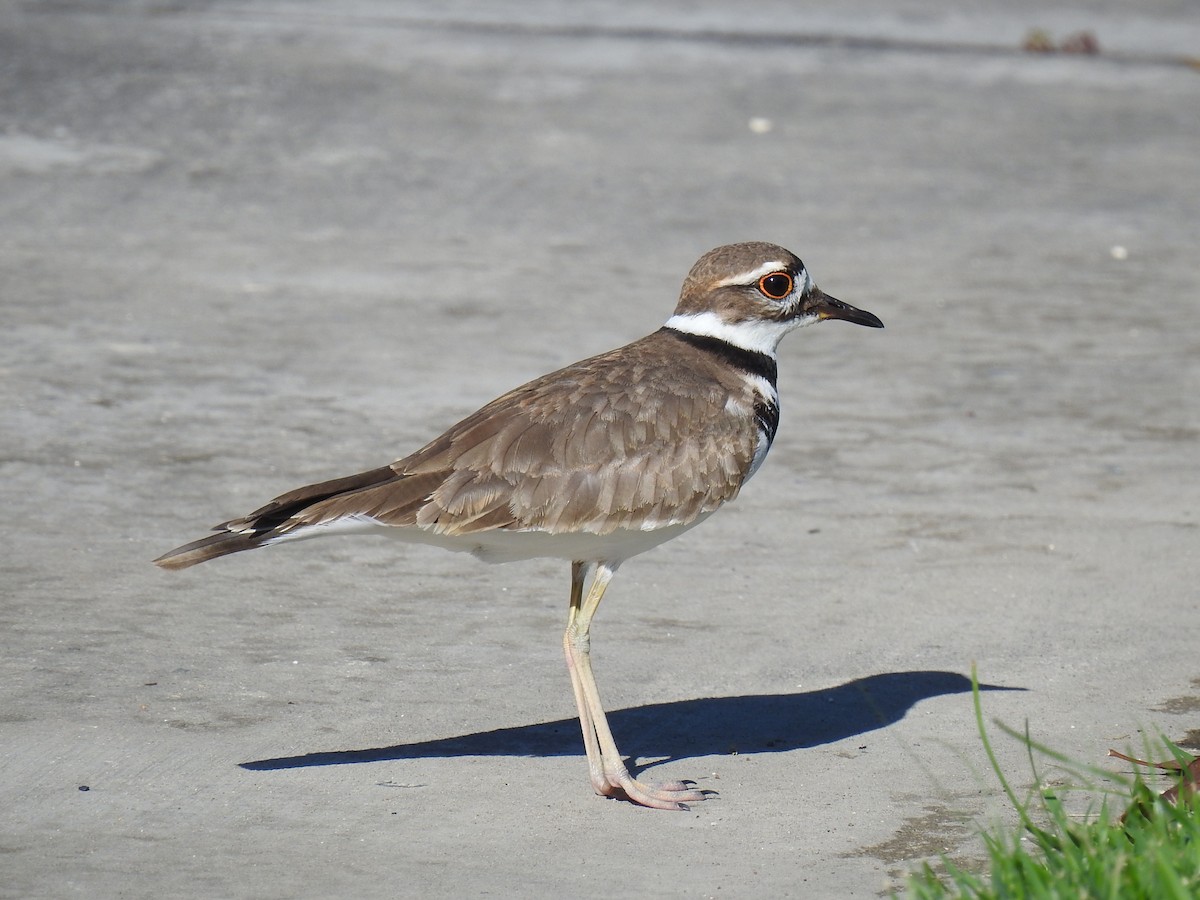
[667,795]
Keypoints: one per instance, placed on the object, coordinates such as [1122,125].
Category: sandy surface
[247,246]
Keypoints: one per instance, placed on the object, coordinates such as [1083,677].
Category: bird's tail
[272,521]
[220,544]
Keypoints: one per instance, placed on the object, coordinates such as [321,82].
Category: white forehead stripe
[752,276]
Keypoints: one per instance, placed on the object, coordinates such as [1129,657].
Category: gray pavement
[250,245]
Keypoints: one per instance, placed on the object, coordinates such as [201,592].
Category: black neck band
[749,361]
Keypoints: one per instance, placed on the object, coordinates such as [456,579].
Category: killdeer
[592,464]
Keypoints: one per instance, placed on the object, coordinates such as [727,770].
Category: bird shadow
[753,723]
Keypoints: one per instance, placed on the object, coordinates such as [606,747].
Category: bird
[593,464]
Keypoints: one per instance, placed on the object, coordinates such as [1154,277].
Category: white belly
[508,546]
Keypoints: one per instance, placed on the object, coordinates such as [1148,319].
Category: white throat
[757,335]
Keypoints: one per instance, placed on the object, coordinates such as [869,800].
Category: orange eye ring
[776,286]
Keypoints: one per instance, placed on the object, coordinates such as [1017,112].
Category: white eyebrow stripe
[753,276]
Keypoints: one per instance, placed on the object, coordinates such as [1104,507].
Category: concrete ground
[249,245]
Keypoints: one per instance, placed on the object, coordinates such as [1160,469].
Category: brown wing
[653,434]
[638,438]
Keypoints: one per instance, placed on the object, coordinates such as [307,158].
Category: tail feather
[221,544]
[271,520]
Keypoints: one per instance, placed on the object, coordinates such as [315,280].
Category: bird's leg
[608,772]
[570,638]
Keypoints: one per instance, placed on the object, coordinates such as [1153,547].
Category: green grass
[1135,843]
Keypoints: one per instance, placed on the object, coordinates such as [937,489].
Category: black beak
[827,307]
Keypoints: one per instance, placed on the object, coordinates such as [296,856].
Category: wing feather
[633,439]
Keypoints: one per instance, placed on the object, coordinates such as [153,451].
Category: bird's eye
[777,285]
